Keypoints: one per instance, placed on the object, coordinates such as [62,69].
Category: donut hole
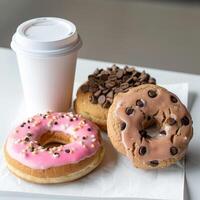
[151,126]
[54,139]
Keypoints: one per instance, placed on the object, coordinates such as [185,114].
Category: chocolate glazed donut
[150,125]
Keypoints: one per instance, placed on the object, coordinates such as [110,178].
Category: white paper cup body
[47,76]
[47,82]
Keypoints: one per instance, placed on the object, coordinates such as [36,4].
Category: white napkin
[115,177]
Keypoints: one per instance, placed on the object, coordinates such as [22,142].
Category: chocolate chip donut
[96,95]
[150,125]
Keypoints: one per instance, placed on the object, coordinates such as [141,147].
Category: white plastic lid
[46,35]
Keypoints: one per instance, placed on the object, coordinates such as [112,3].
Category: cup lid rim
[64,44]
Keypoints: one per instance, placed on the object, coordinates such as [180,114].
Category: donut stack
[144,121]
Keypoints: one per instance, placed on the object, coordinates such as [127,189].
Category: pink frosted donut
[31,153]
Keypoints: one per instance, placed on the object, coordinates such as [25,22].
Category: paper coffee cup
[46,50]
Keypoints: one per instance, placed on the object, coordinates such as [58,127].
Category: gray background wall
[160,34]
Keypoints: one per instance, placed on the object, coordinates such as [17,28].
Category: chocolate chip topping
[142,150]
[97,93]
[173,150]
[111,81]
[185,121]
[143,133]
[110,84]
[93,100]
[130,69]
[129,110]
[148,117]
[154,163]
[152,80]
[104,77]
[107,104]
[110,94]
[173,99]
[67,150]
[101,99]
[120,73]
[29,134]
[123,126]
[171,121]
[85,88]
[140,103]
[26,139]
[23,124]
[152,93]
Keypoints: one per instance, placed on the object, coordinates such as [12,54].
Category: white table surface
[9,75]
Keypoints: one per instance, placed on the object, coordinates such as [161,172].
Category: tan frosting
[161,107]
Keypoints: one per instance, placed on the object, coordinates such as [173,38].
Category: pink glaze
[22,142]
